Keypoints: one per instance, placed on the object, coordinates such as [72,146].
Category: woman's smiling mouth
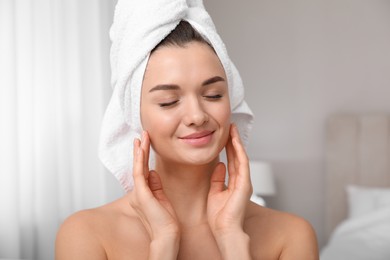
[198,138]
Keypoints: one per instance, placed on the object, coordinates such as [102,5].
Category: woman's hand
[226,206]
[153,207]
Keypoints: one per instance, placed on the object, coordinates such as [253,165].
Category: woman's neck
[187,188]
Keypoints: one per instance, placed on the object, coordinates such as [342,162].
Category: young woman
[182,209]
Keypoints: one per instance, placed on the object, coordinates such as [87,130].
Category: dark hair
[183,33]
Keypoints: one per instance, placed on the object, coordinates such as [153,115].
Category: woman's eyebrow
[176,87]
[212,80]
[165,87]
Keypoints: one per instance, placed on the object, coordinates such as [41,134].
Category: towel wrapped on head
[138,27]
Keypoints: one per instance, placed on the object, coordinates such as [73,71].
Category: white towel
[139,25]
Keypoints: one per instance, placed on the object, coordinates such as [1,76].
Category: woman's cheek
[225,115]
[163,123]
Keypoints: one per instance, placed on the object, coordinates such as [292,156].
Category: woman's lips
[199,138]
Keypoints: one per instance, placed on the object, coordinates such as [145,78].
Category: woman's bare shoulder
[92,219]
[291,236]
[87,234]
[78,236]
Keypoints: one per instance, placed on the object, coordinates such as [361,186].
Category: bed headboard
[357,152]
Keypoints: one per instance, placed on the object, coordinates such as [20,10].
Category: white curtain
[54,87]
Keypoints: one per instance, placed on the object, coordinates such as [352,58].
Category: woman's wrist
[234,245]
[165,248]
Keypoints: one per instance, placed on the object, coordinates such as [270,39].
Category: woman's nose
[195,113]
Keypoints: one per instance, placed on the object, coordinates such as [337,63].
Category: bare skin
[115,231]
[182,209]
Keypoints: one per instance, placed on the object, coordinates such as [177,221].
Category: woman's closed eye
[213,97]
[168,104]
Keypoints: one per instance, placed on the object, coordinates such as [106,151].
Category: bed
[357,220]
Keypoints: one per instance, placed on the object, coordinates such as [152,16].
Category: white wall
[301,61]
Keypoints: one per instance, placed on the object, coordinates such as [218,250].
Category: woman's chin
[198,158]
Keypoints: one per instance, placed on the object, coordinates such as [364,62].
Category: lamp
[263,181]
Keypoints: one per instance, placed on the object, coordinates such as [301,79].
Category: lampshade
[262,177]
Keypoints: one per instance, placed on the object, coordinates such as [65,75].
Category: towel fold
[138,27]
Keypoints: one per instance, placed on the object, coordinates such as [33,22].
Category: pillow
[363,200]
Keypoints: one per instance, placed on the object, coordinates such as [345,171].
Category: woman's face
[185,104]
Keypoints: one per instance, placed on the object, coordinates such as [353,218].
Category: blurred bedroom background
[301,62]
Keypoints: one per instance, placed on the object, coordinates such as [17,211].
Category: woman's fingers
[136,147]
[231,160]
[155,184]
[141,150]
[141,161]
[145,145]
[217,182]
[238,162]
[241,156]
[236,138]
[230,154]
[138,165]
[237,143]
